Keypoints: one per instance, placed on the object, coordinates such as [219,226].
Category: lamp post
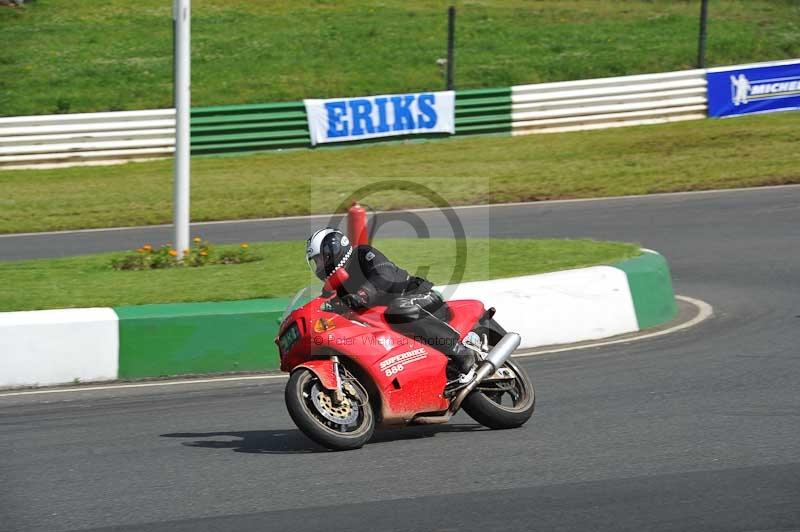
[182,16]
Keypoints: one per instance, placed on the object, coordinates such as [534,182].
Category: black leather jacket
[375,280]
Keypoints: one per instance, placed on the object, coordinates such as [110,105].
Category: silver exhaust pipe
[500,352]
[498,356]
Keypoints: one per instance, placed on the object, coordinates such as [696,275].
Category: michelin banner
[343,119]
[756,88]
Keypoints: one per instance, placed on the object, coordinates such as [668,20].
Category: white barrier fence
[105,138]
[86,138]
[608,102]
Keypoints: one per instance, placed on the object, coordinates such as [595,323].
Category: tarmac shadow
[292,441]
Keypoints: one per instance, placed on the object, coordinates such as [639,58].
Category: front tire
[502,404]
[346,426]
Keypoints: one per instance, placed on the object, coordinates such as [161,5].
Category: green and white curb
[650,285]
[50,347]
[198,338]
[58,346]
[583,304]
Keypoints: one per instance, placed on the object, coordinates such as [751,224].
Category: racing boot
[460,368]
[463,358]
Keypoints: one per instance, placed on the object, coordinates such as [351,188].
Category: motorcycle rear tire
[309,422]
[495,416]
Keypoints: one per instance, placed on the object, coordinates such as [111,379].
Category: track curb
[704,311]
[56,347]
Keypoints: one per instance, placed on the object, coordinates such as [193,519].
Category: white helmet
[326,251]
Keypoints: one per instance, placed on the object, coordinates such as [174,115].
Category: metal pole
[701,45]
[174,55]
[451,45]
[182,15]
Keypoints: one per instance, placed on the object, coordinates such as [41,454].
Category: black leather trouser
[423,317]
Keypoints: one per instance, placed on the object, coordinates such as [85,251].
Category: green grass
[89,281]
[707,154]
[92,55]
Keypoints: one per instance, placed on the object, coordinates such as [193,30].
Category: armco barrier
[96,138]
[608,102]
[483,111]
[246,128]
[243,128]
[60,346]
[86,138]
[91,138]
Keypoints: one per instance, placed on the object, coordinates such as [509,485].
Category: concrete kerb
[211,338]
[697,311]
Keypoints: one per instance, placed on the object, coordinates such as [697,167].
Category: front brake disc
[345,413]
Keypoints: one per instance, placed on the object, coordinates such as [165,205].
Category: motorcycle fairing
[409,375]
[465,313]
[323,368]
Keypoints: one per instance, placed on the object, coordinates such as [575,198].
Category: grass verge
[90,55]
[703,154]
[89,281]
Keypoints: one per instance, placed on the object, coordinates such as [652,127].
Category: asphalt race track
[697,430]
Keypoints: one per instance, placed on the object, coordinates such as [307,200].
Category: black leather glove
[360,299]
[430,301]
[349,301]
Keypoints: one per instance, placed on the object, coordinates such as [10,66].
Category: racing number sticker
[397,363]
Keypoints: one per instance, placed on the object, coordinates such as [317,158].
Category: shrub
[199,254]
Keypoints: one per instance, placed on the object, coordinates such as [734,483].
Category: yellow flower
[245,246]
[186,251]
[147,247]
[173,253]
[197,240]
[203,253]
[140,250]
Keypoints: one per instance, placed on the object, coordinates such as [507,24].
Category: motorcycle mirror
[336,280]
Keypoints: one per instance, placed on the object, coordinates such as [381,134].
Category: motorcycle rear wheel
[502,406]
[338,427]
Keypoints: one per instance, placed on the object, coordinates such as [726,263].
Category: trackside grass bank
[697,155]
[91,55]
[89,281]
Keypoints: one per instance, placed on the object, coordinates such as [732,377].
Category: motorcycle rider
[413,307]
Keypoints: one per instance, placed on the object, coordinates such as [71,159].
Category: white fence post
[182,108]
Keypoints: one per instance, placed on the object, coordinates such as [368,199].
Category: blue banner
[757,88]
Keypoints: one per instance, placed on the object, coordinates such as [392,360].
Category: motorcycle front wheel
[343,426]
[505,404]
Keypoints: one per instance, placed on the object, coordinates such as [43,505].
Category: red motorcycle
[350,371]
